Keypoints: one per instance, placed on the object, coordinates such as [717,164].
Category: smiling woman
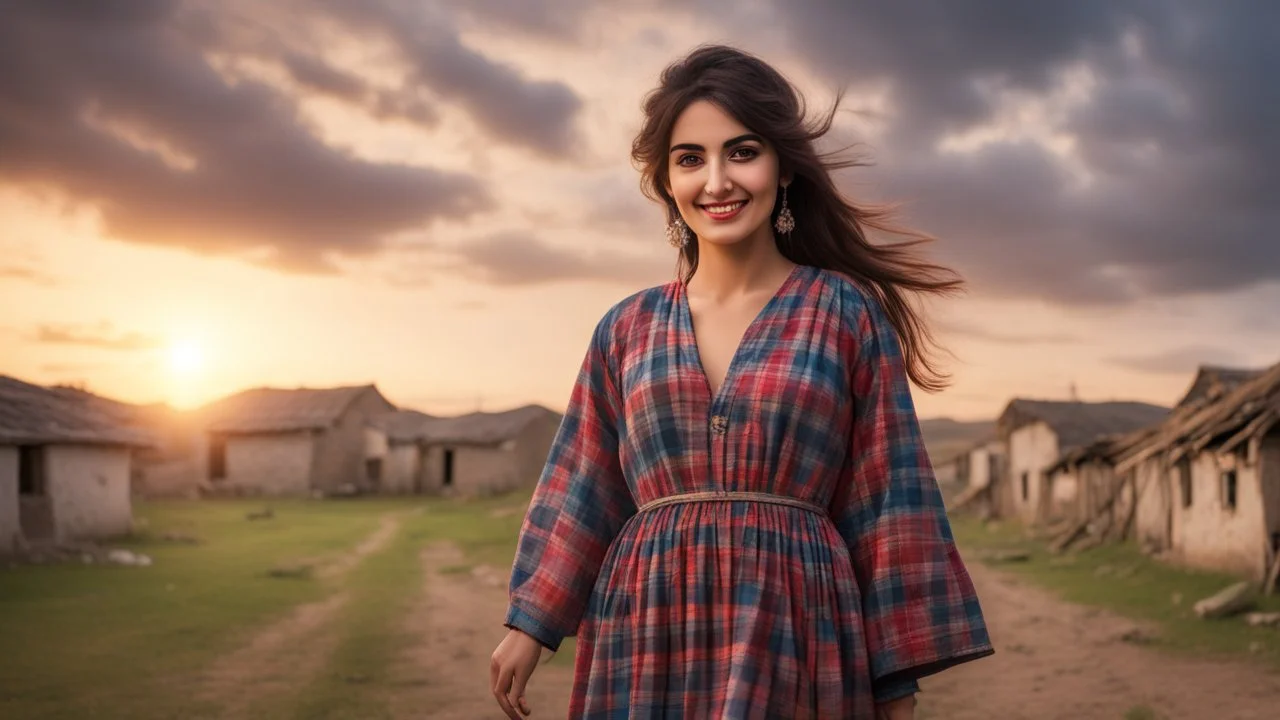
[738,517]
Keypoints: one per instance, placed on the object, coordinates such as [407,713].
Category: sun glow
[186,358]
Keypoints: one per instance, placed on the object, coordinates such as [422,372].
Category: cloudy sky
[436,196]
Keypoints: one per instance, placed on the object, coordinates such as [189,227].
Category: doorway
[35,507]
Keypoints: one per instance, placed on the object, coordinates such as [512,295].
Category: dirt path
[1054,660]
[285,655]
[1057,660]
[459,619]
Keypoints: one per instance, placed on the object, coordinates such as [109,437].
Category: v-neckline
[691,343]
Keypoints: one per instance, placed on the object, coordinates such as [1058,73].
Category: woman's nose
[718,181]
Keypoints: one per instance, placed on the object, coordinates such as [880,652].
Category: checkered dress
[742,609]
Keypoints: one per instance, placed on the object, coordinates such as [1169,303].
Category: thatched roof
[1106,448]
[35,415]
[478,428]
[1212,382]
[1251,410]
[1080,423]
[271,410]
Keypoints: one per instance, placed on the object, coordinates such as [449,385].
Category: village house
[478,454]
[305,441]
[977,471]
[168,467]
[64,468]
[1208,479]
[1037,433]
[398,445]
[1107,498]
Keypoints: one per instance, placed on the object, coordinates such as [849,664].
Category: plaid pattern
[741,609]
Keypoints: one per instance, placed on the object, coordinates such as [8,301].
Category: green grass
[356,682]
[1120,578]
[1141,712]
[111,641]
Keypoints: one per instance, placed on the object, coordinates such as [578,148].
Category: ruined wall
[1212,536]
[1156,496]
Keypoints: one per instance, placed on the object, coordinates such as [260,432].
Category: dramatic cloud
[1086,153]
[516,258]
[128,115]
[971,331]
[1147,164]
[511,108]
[102,335]
[1181,361]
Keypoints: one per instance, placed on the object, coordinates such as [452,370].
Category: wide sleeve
[579,505]
[920,611]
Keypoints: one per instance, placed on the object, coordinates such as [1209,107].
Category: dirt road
[1054,661]
[1057,661]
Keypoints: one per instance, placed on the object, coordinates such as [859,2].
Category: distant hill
[945,437]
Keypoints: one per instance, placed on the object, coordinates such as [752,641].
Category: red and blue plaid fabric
[733,609]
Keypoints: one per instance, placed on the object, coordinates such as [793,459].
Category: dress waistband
[732,496]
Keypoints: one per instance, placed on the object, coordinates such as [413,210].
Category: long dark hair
[831,231]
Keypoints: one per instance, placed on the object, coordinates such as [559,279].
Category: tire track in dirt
[288,653]
[1059,661]
[458,619]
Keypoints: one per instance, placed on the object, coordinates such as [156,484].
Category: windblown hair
[831,230]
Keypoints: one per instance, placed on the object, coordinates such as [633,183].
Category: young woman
[738,518]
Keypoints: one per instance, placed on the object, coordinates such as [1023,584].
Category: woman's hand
[513,662]
[900,709]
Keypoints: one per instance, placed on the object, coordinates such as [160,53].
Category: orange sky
[148,297]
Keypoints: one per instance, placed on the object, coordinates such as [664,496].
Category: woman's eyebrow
[727,143]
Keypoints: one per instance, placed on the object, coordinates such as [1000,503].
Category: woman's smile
[721,212]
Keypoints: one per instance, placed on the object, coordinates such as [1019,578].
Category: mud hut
[64,468]
[304,441]
[1038,433]
[482,453]
[1211,496]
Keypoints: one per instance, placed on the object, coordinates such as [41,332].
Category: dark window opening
[217,457]
[1184,482]
[373,470]
[1026,486]
[1229,489]
[448,468]
[31,479]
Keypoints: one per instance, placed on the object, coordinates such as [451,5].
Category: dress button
[719,424]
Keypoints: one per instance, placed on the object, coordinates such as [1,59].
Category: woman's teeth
[722,209]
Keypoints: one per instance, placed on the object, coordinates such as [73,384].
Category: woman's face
[723,177]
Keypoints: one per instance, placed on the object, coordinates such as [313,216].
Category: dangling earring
[678,233]
[786,222]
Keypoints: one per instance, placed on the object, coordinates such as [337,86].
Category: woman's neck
[744,268]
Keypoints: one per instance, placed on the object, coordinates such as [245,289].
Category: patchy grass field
[137,642]
[1120,578]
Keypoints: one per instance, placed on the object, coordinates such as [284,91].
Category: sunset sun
[185,357]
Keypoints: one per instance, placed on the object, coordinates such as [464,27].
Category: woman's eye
[745,153]
[687,160]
